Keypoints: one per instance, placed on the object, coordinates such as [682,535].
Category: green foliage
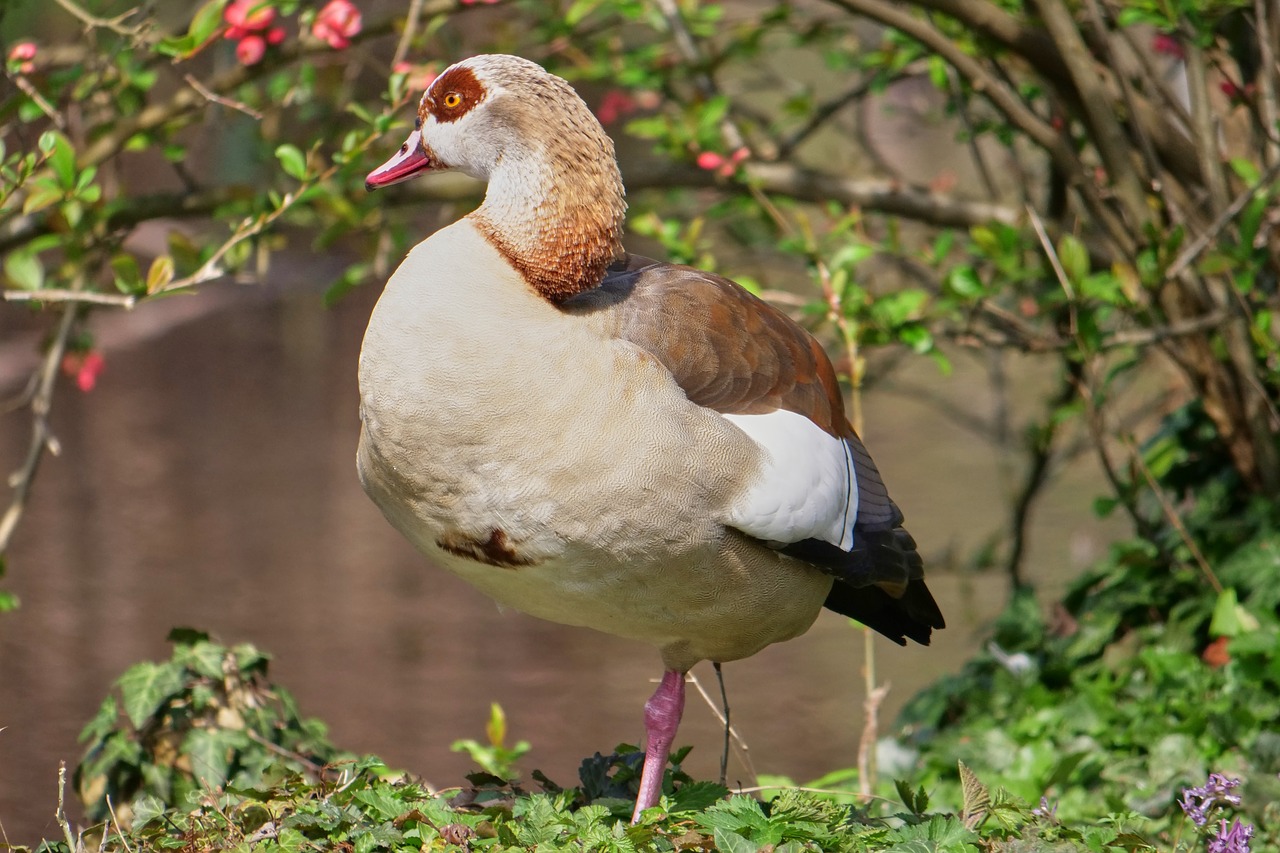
[494,757]
[204,721]
[1147,680]
[270,782]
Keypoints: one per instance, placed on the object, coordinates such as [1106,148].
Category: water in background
[209,481]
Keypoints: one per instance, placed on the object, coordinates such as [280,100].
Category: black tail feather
[880,583]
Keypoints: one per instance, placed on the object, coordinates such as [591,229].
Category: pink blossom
[1237,93]
[247,16]
[84,367]
[416,76]
[1168,45]
[614,105]
[21,55]
[723,166]
[250,49]
[709,160]
[473,2]
[275,35]
[336,23]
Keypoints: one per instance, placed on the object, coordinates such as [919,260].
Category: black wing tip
[914,616]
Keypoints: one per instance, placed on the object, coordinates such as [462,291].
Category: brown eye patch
[453,95]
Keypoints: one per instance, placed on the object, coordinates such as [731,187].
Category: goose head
[555,201]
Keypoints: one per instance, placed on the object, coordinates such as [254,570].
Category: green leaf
[496,729]
[976,799]
[205,22]
[128,276]
[145,687]
[1246,170]
[963,281]
[1230,619]
[24,270]
[62,159]
[732,842]
[1074,258]
[102,723]
[210,752]
[292,160]
[579,10]
[160,274]
[44,192]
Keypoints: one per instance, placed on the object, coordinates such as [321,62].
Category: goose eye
[452,101]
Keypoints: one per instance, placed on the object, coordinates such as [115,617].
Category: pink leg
[661,719]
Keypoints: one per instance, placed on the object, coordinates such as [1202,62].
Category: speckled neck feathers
[555,204]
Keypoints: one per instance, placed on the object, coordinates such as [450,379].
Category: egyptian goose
[604,440]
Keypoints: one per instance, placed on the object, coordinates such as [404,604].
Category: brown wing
[736,354]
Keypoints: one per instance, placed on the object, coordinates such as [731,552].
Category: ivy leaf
[145,687]
[210,753]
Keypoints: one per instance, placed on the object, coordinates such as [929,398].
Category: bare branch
[879,194]
[1039,51]
[220,99]
[412,18]
[821,115]
[1097,107]
[119,300]
[42,438]
[1202,125]
[1193,249]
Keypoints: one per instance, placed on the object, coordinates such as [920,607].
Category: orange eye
[452,101]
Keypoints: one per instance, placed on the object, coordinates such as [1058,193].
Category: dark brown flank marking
[460,80]
[494,551]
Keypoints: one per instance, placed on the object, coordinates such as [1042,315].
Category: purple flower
[1197,802]
[1233,840]
[1045,811]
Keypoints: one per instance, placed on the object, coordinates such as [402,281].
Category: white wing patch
[807,487]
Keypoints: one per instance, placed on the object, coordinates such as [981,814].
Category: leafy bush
[207,754]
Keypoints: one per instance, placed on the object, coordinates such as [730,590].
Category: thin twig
[724,703]
[116,24]
[870,723]
[52,294]
[21,81]
[1172,515]
[821,116]
[744,751]
[61,814]
[1058,271]
[1041,452]
[1193,249]
[213,96]
[410,29]
[42,438]
[284,753]
[119,831]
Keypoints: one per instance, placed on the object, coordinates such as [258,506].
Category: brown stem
[1098,108]
[42,438]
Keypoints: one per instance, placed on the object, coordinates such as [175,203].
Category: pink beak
[410,160]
